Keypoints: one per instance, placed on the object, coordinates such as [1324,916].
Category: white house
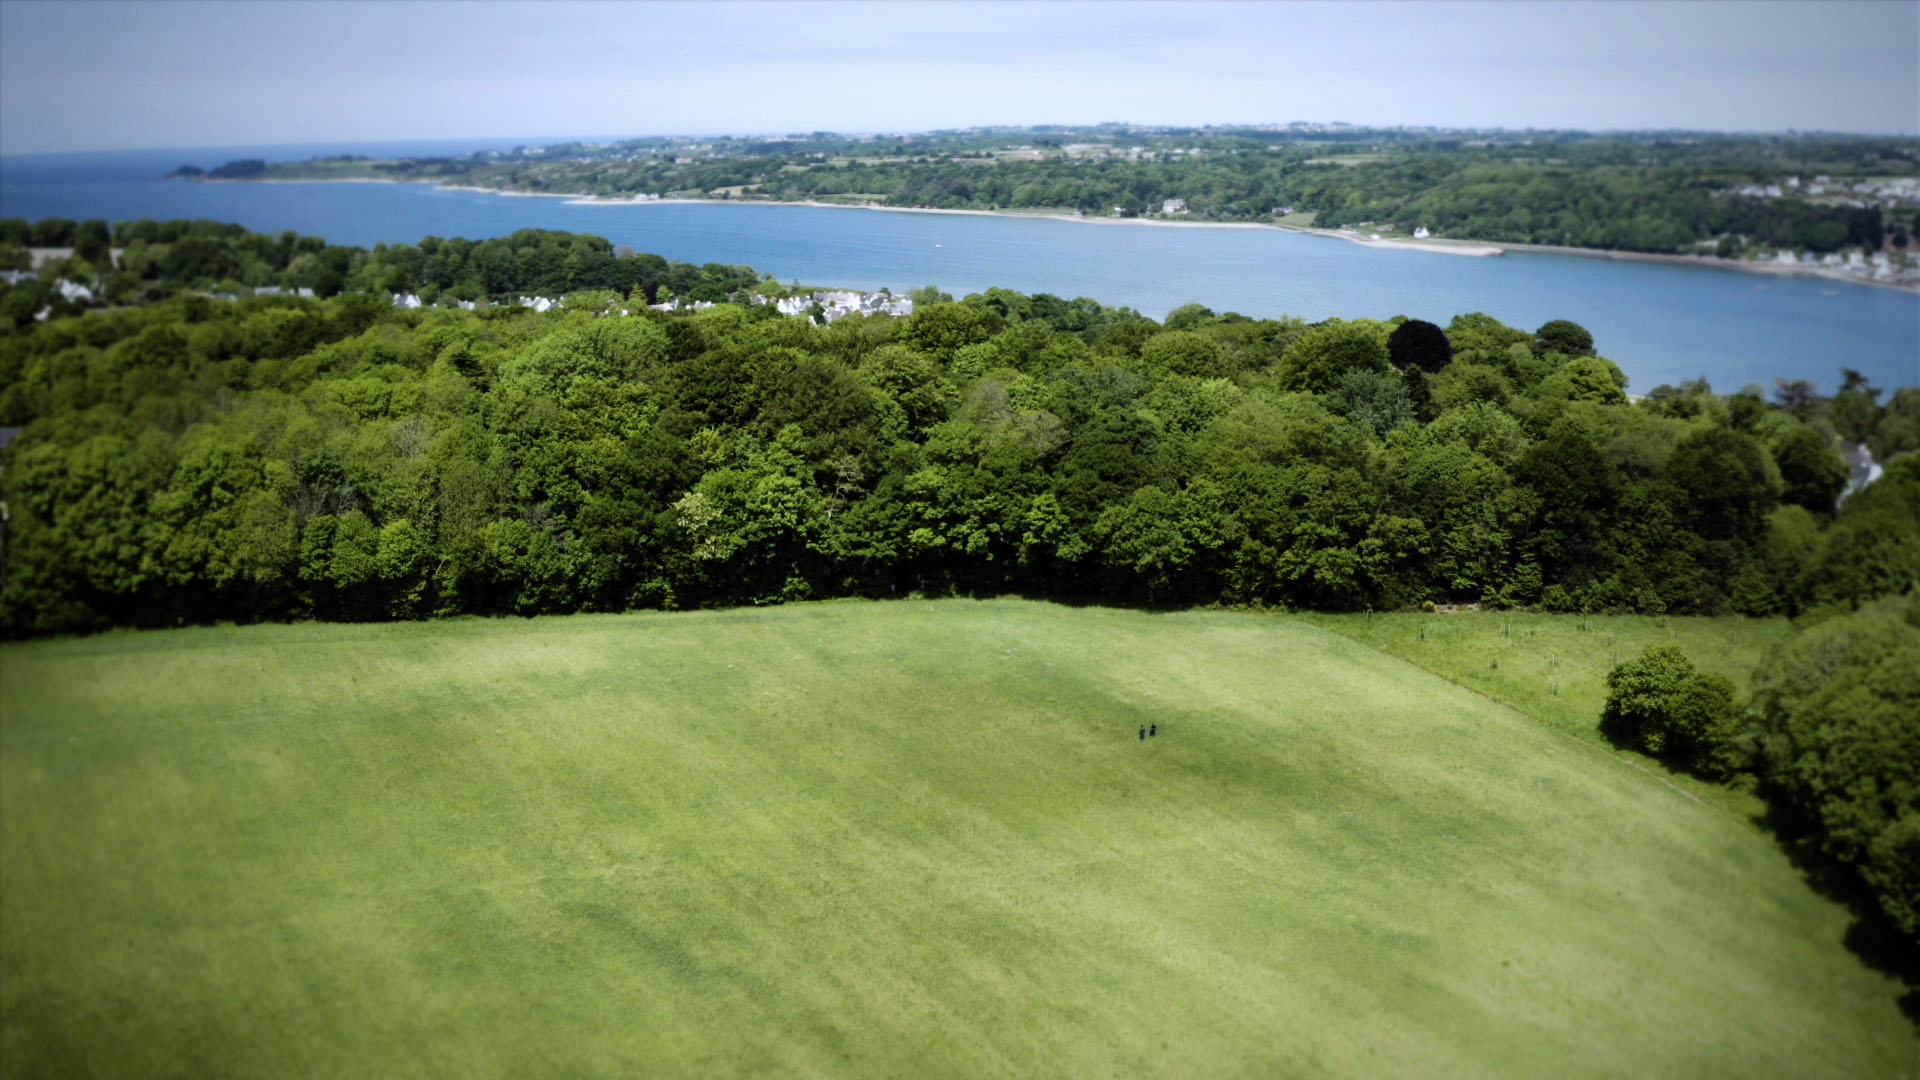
[838,303]
[1421,233]
[73,290]
[1174,206]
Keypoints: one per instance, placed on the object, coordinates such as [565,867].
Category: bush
[1659,704]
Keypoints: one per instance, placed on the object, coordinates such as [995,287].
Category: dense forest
[280,456]
[1651,192]
[182,458]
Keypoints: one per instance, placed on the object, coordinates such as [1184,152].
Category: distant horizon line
[487,141]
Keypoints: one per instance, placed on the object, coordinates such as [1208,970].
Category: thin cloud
[179,74]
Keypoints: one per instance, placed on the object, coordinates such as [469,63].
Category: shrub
[1659,704]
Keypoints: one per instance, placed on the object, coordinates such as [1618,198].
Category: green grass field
[1554,667]
[916,838]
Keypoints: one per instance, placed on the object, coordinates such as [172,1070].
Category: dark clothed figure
[1143,734]
[1153,729]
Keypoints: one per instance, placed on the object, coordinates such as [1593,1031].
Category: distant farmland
[917,838]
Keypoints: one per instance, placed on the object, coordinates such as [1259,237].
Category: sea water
[1662,323]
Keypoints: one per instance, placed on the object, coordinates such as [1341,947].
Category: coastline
[1435,245]
[1750,266]
[1446,247]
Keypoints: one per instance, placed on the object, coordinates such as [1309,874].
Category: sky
[158,74]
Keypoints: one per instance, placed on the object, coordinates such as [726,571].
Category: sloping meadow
[860,838]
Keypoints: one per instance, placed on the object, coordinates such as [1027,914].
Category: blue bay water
[1661,323]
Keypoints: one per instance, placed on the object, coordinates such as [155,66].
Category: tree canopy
[187,457]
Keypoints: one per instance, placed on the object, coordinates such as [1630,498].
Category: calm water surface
[1660,323]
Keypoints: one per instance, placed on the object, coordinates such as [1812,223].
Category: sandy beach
[1435,245]
[1443,247]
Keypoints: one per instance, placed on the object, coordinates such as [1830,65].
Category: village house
[839,303]
[1174,206]
[73,291]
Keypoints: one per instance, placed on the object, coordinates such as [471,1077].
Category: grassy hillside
[1554,667]
[902,839]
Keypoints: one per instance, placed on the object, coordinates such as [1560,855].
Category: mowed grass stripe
[871,838]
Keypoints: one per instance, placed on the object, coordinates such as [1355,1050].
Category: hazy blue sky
[159,74]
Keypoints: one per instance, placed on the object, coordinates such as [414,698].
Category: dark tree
[53,232]
[1797,396]
[1812,473]
[1726,486]
[1419,394]
[241,169]
[1578,494]
[92,241]
[1855,409]
[1416,344]
[1566,337]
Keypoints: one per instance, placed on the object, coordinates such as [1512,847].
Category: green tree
[1318,359]
[1659,704]
[1855,409]
[1587,378]
[1812,472]
[1728,484]
[1899,429]
[1188,317]
[1873,547]
[1839,713]
[1182,352]
[1562,336]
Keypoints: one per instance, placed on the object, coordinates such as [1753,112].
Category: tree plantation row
[282,457]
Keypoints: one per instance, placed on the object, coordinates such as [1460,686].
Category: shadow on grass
[1873,937]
